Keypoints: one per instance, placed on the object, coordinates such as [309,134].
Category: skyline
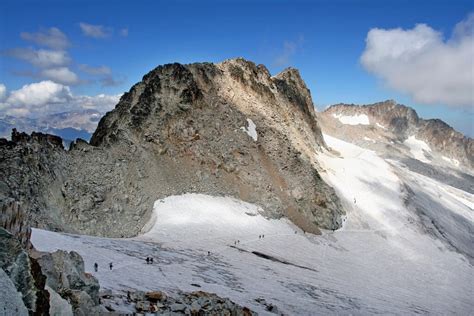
[58,57]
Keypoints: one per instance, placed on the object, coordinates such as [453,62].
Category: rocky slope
[221,129]
[395,122]
[40,283]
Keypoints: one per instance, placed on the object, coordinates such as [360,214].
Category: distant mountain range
[68,125]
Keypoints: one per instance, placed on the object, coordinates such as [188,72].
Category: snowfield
[361,119]
[383,260]
[418,148]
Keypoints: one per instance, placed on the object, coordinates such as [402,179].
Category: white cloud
[39,94]
[47,97]
[95,31]
[3,91]
[420,63]
[100,70]
[101,102]
[52,37]
[42,58]
[61,75]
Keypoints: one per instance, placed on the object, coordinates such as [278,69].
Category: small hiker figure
[151,260]
[96,267]
[147,260]
[354,200]
[111,266]
[238,241]
[208,253]
[259,236]
[263,236]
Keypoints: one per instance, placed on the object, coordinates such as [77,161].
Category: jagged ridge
[403,122]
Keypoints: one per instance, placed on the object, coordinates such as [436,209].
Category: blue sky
[323,39]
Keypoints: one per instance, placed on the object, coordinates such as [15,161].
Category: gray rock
[65,275]
[178,307]
[143,306]
[184,124]
[11,301]
[58,305]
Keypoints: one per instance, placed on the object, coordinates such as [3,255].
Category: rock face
[399,122]
[39,282]
[65,276]
[221,129]
[22,270]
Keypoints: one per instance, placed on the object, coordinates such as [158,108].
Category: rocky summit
[397,123]
[222,129]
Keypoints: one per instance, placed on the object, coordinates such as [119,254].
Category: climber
[147,260]
[96,267]
[111,266]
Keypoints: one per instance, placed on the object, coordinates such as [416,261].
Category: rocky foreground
[55,283]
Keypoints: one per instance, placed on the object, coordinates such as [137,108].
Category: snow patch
[189,217]
[251,130]
[417,148]
[361,119]
[451,160]
[380,125]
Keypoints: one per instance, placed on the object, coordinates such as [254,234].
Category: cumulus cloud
[420,63]
[95,31]
[61,75]
[52,38]
[48,97]
[39,94]
[42,58]
[101,102]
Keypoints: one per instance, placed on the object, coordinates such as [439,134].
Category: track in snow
[380,262]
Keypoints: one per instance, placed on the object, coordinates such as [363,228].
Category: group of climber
[149,260]
[96,266]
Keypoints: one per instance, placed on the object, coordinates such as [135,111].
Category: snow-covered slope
[418,148]
[353,120]
[383,260]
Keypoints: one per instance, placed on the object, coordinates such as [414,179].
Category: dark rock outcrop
[35,278]
[64,274]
